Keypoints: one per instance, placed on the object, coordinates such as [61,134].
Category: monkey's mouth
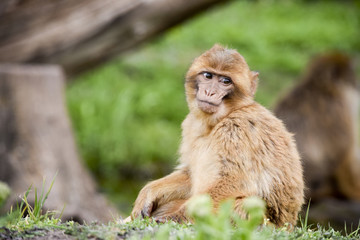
[207,107]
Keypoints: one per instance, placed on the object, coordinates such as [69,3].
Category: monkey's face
[218,81]
[212,89]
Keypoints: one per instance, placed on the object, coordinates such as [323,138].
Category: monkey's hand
[145,204]
[157,194]
[177,216]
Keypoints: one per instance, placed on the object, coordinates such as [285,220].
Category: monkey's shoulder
[252,124]
[254,116]
[255,133]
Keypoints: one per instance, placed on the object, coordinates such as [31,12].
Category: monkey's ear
[254,82]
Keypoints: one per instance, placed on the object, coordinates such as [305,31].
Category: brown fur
[322,111]
[240,150]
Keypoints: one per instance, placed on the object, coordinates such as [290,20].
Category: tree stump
[36,141]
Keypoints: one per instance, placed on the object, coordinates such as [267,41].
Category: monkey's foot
[178,216]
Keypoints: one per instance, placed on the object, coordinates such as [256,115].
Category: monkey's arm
[156,194]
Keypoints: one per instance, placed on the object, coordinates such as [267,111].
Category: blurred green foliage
[127,114]
[4,193]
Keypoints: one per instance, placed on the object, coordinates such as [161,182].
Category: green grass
[26,220]
[127,113]
[225,225]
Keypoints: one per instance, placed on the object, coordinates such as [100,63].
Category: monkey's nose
[209,93]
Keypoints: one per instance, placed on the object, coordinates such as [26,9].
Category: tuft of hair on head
[220,60]
[217,47]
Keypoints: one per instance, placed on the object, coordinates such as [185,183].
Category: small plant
[25,217]
[225,224]
[35,213]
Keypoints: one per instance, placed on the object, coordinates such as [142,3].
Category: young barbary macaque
[232,147]
[323,112]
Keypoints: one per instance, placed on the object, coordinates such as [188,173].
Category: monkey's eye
[226,80]
[208,75]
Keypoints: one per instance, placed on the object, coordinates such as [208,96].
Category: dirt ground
[36,233]
[45,234]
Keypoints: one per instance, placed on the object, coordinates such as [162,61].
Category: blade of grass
[36,207]
[304,224]
[62,211]
[30,210]
[48,192]
[355,233]
[23,208]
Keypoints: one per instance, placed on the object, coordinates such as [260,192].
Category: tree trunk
[36,141]
[82,34]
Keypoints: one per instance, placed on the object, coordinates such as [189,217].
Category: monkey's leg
[223,189]
[155,194]
[229,187]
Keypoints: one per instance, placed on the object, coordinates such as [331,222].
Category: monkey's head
[329,69]
[218,80]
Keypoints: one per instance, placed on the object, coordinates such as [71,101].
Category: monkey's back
[256,144]
[312,113]
[322,123]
